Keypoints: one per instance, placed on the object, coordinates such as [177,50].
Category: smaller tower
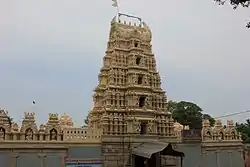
[65,121]
[29,129]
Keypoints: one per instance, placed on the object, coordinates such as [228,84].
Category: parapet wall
[61,129]
[56,129]
[217,134]
[220,133]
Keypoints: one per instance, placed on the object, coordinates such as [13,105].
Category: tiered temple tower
[129,97]
[130,107]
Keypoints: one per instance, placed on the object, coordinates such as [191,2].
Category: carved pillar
[111,123]
[42,159]
[203,159]
[241,151]
[217,152]
[129,126]
[47,137]
[64,156]
[164,129]
[230,159]
[22,136]
[41,136]
[14,136]
[13,159]
[115,125]
[120,125]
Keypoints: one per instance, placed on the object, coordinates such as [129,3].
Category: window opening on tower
[143,129]
[139,79]
[138,60]
[136,44]
[142,101]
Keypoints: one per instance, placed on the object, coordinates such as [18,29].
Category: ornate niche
[151,127]
[221,135]
[233,135]
[136,126]
[207,134]
[230,131]
[53,134]
[5,125]
[143,127]
[2,133]
[29,129]
[42,135]
[53,129]
[28,134]
[218,131]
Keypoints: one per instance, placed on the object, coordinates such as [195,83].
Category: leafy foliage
[86,121]
[211,119]
[236,4]
[188,113]
[244,129]
[10,120]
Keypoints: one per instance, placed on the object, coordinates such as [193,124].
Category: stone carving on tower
[129,97]
[66,121]
[5,125]
[53,127]
[28,129]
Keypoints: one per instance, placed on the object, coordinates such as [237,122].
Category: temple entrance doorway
[156,155]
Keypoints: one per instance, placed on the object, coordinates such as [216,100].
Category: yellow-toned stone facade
[129,98]
[56,129]
[219,132]
[130,107]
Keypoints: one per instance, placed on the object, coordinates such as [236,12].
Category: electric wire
[232,114]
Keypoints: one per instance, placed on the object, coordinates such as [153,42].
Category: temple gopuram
[129,124]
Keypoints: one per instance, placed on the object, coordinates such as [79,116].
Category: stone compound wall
[34,158]
[45,156]
[214,155]
[114,154]
[222,156]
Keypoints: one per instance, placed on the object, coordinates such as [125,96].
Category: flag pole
[116,4]
[118,9]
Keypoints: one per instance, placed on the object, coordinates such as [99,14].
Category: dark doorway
[142,101]
[139,79]
[136,44]
[138,60]
[156,155]
[143,128]
[152,161]
[139,161]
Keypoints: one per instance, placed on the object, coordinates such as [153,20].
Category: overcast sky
[51,52]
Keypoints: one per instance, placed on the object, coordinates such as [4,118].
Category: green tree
[244,129]
[236,4]
[188,113]
[10,120]
[211,119]
[86,121]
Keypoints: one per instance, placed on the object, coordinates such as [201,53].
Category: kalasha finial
[53,116]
